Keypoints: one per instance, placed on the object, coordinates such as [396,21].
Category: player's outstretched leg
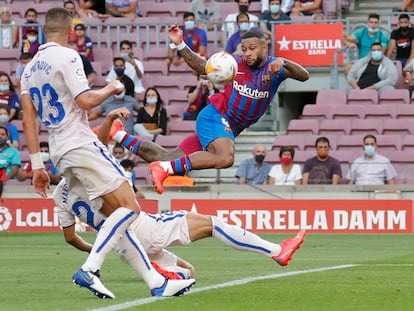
[289,247]
[92,282]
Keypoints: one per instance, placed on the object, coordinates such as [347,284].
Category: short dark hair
[187,14]
[322,139]
[30,10]
[127,163]
[241,14]
[127,42]
[373,15]
[376,43]
[118,58]
[288,149]
[44,144]
[369,136]
[254,33]
[403,16]
[238,1]
[25,55]
[5,129]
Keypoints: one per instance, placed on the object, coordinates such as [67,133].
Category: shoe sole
[184,290]
[284,262]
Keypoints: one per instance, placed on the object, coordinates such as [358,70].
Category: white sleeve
[264,5]
[111,75]
[286,6]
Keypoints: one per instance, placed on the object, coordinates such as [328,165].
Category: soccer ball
[221,68]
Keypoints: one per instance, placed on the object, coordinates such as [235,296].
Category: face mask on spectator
[376,55]
[244,26]
[151,100]
[189,25]
[323,153]
[119,71]
[243,8]
[4,88]
[369,150]
[373,30]
[31,38]
[45,156]
[3,142]
[286,160]
[4,118]
[274,9]
[119,96]
[125,55]
[259,158]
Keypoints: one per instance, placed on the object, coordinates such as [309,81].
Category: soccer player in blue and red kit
[241,104]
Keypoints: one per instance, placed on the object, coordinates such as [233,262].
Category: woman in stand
[285,173]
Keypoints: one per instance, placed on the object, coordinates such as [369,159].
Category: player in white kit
[55,89]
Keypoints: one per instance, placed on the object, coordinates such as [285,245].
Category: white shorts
[98,171]
[158,231]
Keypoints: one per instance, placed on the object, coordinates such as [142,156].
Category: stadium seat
[181,127]
[348,112]
[169,142]
[381,112]
[345,157]
[407,143]
[272,157]
[105,56]
[302,127]
[157,53]
[156,67]
[178,97]
[388,143]
[397,96]
[398,126]
[317,112]
[167,82]
[143,176]
[180,8]
[334,127]
[286,140]
[5,66]
[176,111]
[331,97]
[366,126]
[11,55]
[402,161]
[350,142]
[366,96]
[405,112]
[179,71]
[401,80]
[156,9]
[302,155]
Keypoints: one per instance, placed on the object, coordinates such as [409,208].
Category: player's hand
[118,86]
[275,66]
[175,34]
[122,113]
[41,182]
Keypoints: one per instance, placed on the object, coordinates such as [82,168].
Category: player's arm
[185,264]
[105,128]
[75,240]
[92,98]
[196,62]
[40,177]
[291,69]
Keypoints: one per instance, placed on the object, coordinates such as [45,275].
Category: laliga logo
[312,47]
[5,218]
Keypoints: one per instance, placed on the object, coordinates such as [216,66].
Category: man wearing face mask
[402,40]
[363,38]
[233,45]
[230,22]
[194,37]
[254,171]
[119,68]
[371,168]
[31,43]
[11,128]
[27,173]
[275,14]
[113,102]
[375,71]
[9,159]
[322,169]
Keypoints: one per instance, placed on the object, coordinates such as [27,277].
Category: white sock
[134,254]
[108,236]
[166,165]
[119,136]
[242,239]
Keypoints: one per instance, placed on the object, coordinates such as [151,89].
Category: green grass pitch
[369,272]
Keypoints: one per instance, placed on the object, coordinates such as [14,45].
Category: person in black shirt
[402,41]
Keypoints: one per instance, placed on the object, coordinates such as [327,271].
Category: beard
[257,63]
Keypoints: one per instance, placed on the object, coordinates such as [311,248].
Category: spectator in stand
[275,14]
[113,102]
[363,38]
[152,118]
[119,152]
[71,7]
[233,45]
[207,13]
[11,128]
[318,16]
[407,6]
[254,171]
[375,71]
[51,170]
[306,7]
[402,40]
[230,22]
[197,97]
[285,6]
[371,168]
[134,68]
[92,9]
[9,31]
[83,42]
[321,169]
[24,59]
[123,8]
[10,161]
[30,43]
[87,65]
[8,95]
[119,68]
[31,18]
[285,173]
[194,37]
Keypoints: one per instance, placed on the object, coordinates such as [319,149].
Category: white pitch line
[144,301]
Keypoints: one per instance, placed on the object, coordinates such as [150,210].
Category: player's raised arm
[192,59]
[292,69]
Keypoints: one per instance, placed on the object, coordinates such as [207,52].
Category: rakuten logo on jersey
[312,47]
[246,91]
